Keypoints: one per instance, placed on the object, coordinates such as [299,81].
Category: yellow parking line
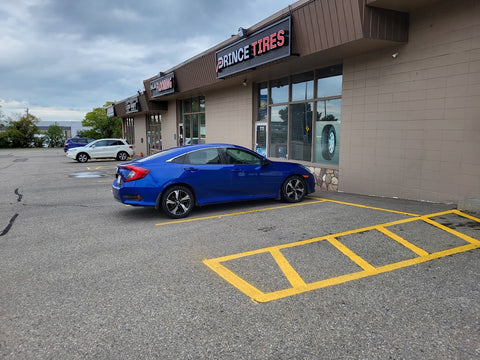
[237,213]
[287,269]
[451,231]
[229,276]
[364,206]
[407,244]
[349,253]
[299,286]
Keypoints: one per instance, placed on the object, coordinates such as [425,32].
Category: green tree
[2,119]
[20,133]
[100,125]
[54,136]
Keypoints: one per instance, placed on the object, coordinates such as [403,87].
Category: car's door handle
[191,169]
[237,170]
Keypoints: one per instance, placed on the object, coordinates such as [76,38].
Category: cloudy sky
[62,58]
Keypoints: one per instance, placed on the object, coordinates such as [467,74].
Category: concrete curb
[472,205]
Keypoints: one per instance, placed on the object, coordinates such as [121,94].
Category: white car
[102,149]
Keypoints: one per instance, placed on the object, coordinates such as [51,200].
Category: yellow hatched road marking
[407,244]
[298,284]
[287,269]
[349,253]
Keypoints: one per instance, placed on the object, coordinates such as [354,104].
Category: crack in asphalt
[9,226]
[20,196]
[12,220]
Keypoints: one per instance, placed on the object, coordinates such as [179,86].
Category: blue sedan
[178,179]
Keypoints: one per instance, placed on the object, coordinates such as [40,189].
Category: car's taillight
[135,173]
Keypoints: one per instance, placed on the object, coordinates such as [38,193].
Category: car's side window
[239,156]
[114,142]
[203,157]
[100,143]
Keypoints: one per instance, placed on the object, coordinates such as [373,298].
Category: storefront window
[303,116]
[154,134]
[129,130]
[262,102]
[192,128]
[279,131]
[301,129]
[279,90]
[302,87]
[329,86]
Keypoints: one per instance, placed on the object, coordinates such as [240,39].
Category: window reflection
[306,126]
[279,131]
[279,90]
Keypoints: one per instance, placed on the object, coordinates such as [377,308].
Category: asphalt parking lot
[338,276]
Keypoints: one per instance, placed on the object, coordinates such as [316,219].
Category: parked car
[178,179]
[76,142]
[101,149]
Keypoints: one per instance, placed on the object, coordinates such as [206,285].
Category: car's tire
[294,189]
[122,156]
[177,201]
[82,157]
[329,142]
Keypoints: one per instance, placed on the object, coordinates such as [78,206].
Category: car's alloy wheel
[82,157]
[122,156]
[177,202]
[294,189]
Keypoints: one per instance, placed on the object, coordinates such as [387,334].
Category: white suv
[102,148]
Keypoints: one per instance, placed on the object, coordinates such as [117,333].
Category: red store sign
[264,46]
[163,85]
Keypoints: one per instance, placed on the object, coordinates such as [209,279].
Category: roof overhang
[400,5]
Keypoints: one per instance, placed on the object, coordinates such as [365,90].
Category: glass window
[101,143]
[279,91]
[154,133]
[129,130]
[302,116]
[201,140]
[329,86]
[327,140]
[300,147]
[262,102]
[239,156]
[302,86]
[278,131]
[203,157]
[186,127]
[193,128]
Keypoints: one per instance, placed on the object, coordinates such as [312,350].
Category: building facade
[377,97]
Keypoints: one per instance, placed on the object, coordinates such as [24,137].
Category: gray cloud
[76,55]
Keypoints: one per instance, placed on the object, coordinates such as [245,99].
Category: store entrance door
[154,134]
[261,138]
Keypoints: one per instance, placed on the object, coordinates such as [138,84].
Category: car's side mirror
[265,162]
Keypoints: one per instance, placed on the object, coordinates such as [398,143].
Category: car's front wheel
[294,189]
[177,202]
[82,158]
[122,156]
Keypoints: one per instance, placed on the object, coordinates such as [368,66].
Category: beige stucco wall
[169,126]
[229,116]
[411,125]
[140,133]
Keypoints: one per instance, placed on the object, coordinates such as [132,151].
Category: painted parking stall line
[218,216]
[366,269]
